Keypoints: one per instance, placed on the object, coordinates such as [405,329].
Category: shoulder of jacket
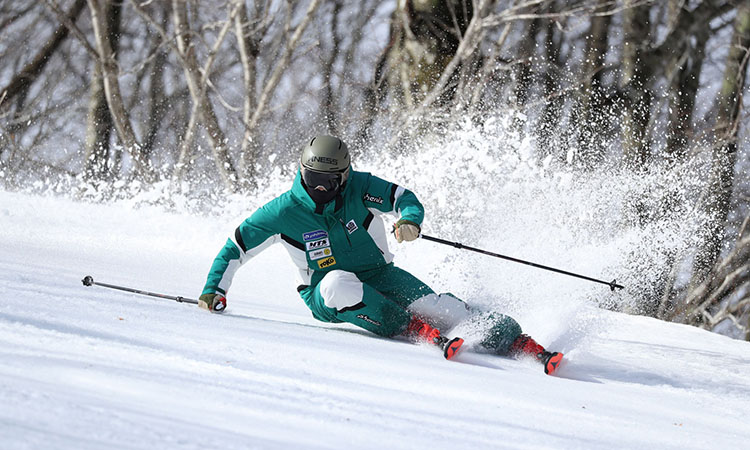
[280,205]
[360,179]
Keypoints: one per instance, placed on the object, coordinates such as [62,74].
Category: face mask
[321,197]
[321,186]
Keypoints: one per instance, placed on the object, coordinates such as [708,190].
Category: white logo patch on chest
[317,254]
[314,245]
[351,226]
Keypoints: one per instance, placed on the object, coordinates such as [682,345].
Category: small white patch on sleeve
[399,192]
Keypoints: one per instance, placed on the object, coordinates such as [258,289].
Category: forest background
[189,104]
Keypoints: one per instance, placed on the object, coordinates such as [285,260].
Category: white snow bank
[91,368]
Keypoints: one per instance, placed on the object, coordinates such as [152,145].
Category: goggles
[323,181]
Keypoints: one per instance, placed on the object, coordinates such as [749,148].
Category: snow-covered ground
[92,368]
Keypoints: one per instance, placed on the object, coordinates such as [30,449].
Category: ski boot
[420,331]
[525,345]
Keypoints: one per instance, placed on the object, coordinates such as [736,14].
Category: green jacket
[346,234]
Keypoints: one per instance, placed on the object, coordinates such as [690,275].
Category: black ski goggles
[328,181]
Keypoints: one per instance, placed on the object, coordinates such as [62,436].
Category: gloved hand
[215,303]
[406,230]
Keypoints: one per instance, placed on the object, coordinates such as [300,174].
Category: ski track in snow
[91,368]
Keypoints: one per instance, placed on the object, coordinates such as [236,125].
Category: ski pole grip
[87,280]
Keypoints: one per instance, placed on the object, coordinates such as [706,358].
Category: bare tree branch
[19,86]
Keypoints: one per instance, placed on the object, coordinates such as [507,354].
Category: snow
[92,368]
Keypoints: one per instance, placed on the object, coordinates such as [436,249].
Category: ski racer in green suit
[330,223]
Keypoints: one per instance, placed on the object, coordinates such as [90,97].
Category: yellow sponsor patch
[328,262]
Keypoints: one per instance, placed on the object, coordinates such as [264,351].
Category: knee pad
[341,290]
[443,311]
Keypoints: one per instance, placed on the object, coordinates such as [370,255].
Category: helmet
[325,154]
[324,165]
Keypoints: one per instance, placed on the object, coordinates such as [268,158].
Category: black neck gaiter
[320,197]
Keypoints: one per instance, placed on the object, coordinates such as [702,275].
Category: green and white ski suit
[345,268]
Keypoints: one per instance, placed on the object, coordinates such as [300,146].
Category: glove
[406,230]
[215,303]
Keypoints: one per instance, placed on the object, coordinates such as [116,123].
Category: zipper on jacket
[346,232]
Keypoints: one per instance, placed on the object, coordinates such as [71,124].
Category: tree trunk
[329,105]
[269,88]
[158,103]
[112,89]
[374,96]
[249,35]
[635,83]
[523,69]
[99,120]
[591,102]
[682,93]
[197,84]
[553,99]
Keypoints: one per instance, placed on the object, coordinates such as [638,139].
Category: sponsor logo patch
[318,244]
[314,235]
[328,262]
[351,226]
[373,199]
[322,253]
[368,319]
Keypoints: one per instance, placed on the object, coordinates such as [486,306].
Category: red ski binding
[449,346]
[552,362]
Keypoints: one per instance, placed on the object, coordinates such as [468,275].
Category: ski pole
[89,281]
[612,284]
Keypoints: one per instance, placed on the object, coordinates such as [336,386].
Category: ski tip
[452,347]
[553,363]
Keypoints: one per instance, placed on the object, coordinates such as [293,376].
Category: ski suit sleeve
[253,236]
[388,197]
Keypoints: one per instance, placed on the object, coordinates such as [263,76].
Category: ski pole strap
[89,281]
[612,284]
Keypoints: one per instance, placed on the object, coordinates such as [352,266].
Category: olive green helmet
[324,167]
[326,154]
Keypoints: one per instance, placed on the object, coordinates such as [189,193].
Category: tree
[711,274]
[269,88]
[724,294]
[18,88]
[99,123]
[635,83]
[110,70]
[592,99]
[425,36]
[250,31]
[197,78]
[16,91]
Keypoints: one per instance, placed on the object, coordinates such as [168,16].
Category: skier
[330,223]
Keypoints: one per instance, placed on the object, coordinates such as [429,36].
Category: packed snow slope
[92,368]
